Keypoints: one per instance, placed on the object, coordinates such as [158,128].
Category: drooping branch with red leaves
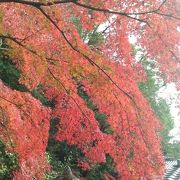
[46,46]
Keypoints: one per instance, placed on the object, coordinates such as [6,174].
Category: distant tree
[150,89]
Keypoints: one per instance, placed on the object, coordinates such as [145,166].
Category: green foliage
[9,74]
[93,38]
[39,96]
[58,166]
[77,23]
[130,155]
[8,163]
[104,125]
[159,105]
[173,150]
[37,93]
[98,171]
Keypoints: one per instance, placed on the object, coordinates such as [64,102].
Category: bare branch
[167,15]
[36,3]
[128,15]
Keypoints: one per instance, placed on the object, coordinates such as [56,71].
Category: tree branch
[36,3]
[128,15]
[86,57]
[76,50]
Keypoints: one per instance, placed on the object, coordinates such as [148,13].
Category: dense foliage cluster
[74,65]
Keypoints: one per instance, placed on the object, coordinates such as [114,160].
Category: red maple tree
[48,49]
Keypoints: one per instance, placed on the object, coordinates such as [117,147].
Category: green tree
[8,163]
[161,108]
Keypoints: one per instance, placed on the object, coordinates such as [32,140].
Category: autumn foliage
[49,50]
